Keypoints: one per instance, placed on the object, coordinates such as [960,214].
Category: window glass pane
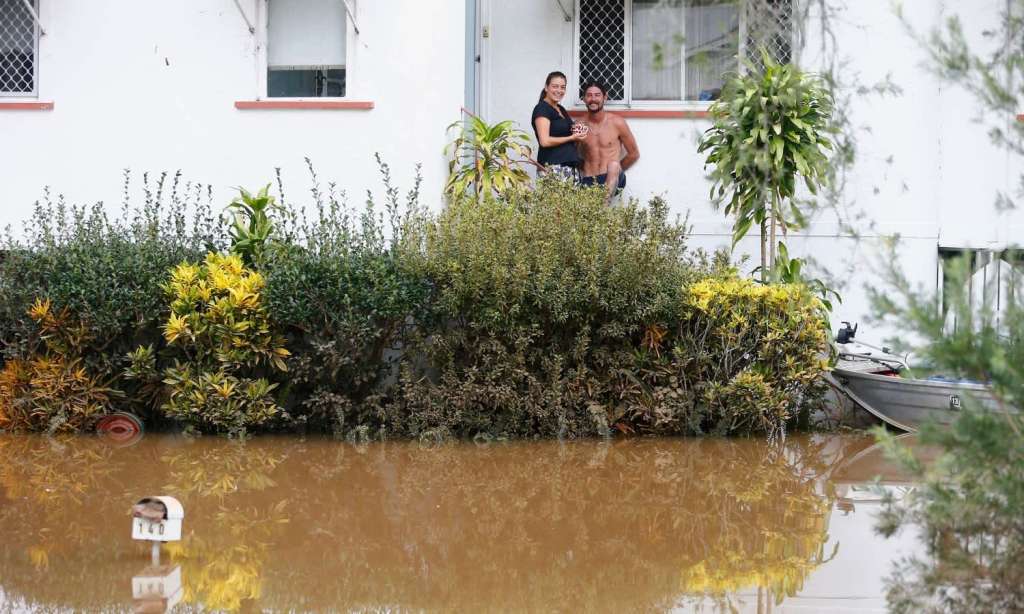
[17,48]
[306,48]
[658,32]
[683,48]
[603,45]
[302,83]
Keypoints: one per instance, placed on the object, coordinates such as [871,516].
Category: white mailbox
[157,519]
[157,588]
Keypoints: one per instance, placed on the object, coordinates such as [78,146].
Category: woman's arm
[544,137]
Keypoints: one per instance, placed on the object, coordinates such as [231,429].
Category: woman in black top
[554,129]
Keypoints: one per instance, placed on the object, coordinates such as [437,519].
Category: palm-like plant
[252,226]
[788,270]
[484,158]
[769,128]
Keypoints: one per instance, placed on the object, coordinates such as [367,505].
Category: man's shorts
[600,179]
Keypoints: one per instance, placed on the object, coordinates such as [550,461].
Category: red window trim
[304,104]
[26,106]
[649,114]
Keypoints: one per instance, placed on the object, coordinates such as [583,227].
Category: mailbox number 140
[155,528]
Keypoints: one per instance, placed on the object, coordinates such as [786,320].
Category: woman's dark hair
[552,75]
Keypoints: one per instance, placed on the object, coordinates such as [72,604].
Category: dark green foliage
[543,313]
[107,273]
[539,298]
[555,314]
[337,287]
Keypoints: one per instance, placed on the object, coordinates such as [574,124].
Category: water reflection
[156,589]
[865,478]
[320,525]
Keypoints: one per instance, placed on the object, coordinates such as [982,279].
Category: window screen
[769,27]
[18,38]
[602,45]
[675,50]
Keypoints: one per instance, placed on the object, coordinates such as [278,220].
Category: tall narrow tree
[769,129]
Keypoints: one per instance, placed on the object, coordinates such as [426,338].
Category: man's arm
[629,142]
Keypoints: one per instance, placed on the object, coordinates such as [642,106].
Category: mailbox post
[157,519]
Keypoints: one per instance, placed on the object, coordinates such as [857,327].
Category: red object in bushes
[120,428]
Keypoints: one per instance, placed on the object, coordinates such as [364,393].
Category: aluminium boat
[875,379]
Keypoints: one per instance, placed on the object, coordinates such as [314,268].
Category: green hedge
[547,313]
[538,302]
[106,272]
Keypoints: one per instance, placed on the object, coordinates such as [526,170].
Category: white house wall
[972,171]
[151,85]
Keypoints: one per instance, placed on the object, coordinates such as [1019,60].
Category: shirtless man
[603,162]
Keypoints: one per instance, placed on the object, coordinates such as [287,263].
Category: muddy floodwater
[289,524]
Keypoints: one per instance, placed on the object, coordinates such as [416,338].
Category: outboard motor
[846,333]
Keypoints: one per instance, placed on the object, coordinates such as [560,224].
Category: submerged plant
[52,388]
[225,341]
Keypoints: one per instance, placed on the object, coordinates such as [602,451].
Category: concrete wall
[925,169]
[151,85]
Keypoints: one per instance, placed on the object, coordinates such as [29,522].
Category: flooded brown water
[288,524]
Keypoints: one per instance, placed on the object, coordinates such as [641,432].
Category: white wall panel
[151,85]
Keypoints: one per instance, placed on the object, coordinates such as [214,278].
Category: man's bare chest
[602,136]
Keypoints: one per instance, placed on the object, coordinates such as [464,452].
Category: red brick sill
[649,114]
[26,106]
[304,104]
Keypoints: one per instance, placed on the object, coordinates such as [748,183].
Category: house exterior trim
[649,114]
[26,106]
[357,105]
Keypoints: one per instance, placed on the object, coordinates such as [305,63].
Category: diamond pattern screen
[17,48]
[702,35]
[603,45]
[769,27]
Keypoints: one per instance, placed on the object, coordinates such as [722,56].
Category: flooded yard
[289,524]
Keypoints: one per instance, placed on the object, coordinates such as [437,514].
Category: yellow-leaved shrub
[225,347]
[741,357]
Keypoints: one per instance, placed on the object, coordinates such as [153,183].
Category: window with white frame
[306,42]
[671,51]
[19,48]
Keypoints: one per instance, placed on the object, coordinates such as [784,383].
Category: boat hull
[908,403]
